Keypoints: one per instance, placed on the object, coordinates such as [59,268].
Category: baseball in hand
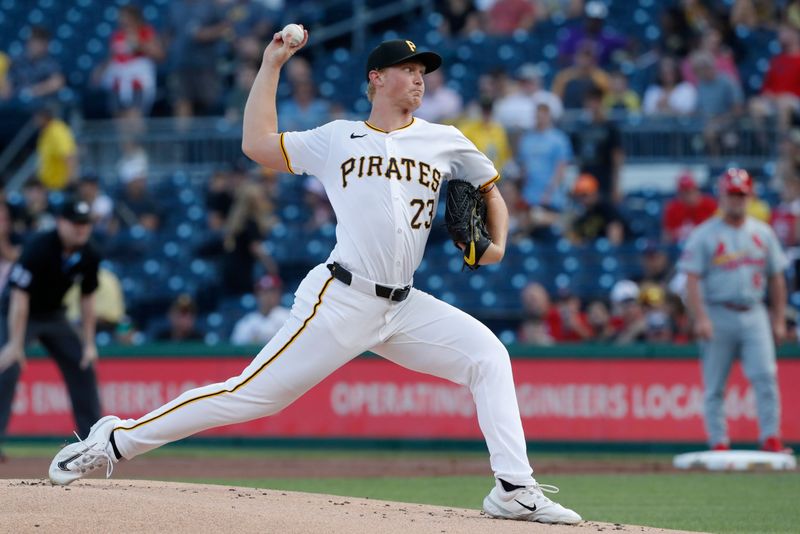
[292,34]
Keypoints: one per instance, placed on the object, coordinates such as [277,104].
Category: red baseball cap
[736,180]
[269,281]
[686,182]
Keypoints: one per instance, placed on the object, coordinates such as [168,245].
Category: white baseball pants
[330,324]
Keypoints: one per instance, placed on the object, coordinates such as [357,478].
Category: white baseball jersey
[397,174]
[384,188]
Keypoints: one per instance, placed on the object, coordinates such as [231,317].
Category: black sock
[506,485]
[114,446]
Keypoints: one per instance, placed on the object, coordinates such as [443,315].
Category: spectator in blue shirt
[303,111]
[35,76]
[544,153]
[719,102]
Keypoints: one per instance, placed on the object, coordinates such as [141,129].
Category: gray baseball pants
[746,335]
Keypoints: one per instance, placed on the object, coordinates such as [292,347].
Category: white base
[735,461]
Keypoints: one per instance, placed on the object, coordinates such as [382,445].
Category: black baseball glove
[465,217]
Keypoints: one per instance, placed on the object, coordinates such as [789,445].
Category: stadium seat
[81,31]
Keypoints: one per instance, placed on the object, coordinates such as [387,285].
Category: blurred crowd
[238,217]
[202,60]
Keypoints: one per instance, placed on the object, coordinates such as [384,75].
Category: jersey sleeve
[776,258]
[306,152]
[692,258]
[470,164]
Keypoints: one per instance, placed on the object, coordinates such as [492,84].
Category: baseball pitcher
[383,177]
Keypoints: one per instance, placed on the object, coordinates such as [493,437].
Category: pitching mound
[132,506]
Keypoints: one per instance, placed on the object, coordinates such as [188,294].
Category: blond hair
[371,87]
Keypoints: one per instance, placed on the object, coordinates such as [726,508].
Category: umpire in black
[31,308]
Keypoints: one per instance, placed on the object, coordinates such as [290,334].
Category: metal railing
[14,148]
[197,144]
[648,139]
[203,144]
[364,16]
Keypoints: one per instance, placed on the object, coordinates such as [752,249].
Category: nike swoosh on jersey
[354,136]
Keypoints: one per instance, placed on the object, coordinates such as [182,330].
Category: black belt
[396,294]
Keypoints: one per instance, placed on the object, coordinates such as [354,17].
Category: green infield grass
[707,502]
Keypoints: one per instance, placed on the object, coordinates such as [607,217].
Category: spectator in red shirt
[130,73]
[535,306]
[545,323]
[629,319]
[780,94]
[688,209]
[599,319]
[508,16]
[565,321]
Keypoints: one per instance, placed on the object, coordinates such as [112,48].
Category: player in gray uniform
[730,262]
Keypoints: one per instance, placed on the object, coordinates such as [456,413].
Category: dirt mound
[133,506]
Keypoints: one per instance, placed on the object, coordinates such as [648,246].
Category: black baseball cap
[396,51]
[77,211]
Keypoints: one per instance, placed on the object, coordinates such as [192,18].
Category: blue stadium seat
[81,31]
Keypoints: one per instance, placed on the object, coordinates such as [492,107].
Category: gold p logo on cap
[412,46]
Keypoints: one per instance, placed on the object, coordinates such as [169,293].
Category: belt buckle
[400,290]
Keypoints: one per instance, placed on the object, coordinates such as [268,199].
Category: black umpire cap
[396,51]
[77,211]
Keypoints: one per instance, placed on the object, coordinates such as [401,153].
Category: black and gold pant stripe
[249,378]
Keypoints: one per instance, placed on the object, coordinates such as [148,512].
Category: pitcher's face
[404,83]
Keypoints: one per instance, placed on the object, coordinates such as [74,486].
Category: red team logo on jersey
[721,256]
[733,260]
